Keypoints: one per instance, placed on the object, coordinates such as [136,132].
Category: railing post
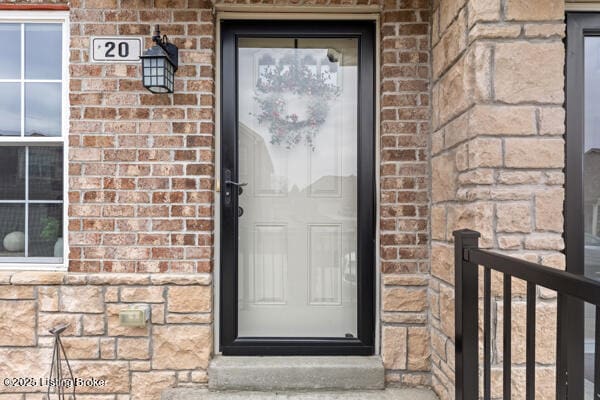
[466,316]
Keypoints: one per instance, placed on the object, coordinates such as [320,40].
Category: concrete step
[296,373]
[387,394]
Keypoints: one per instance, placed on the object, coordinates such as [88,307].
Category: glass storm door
[297,188]
[582,202]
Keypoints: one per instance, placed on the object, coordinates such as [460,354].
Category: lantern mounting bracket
[171,50]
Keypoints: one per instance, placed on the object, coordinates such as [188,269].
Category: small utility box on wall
[136,316]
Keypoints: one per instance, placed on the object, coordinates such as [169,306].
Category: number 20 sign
[115,49]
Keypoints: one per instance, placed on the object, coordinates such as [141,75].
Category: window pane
[45,230]
[12,230]
[10,109]
[43,51]
[45,173]
[42,109]
[12,173]
[10,62]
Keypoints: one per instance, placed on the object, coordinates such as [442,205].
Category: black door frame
[230,342]
[571,312]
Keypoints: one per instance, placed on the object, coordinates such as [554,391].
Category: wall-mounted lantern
[159,64]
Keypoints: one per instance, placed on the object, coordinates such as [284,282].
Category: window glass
[39,168]
[12,230]
[43,109]
[10,109]
[45,173]
[43,51]
[45,230]
[10,61]
[12,173]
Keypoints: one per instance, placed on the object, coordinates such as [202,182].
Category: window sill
[62,267]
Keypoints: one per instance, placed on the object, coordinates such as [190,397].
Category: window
[33,128]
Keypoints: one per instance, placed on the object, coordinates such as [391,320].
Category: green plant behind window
[51,229]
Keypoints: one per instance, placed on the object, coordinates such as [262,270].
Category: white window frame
[62,17]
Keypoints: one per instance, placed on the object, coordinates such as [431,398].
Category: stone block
[448,11]
[452,43]
[37,278]
[544,241]
[535,10]
[485,152]
[419,350]
[438,222]
[181,279]
[149,385]
[494,31]
[479,74]
[113,372]
[477,216]
[93,324]
[83,299]
[404,299]
[444,176]
[442,262]
[148,294]
[82,348]
[16,362]
[552,121]
[549,209]
[181,346]
[534,153]
[10,292]
[513,217]
[48,298]
[108,348]
[49,321]
[394,347]
[198,318]
[447,311]
[529,72]
[452,93]
[133,348]
[502,120]
[17,323]
[189,299]
[484,10]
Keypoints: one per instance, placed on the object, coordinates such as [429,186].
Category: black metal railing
[468,258]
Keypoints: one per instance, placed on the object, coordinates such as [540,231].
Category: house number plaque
[109,49]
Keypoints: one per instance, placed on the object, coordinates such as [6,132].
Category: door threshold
[278,373]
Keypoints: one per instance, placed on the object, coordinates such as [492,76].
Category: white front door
[297,146]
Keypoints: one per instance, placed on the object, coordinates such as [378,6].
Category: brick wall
[404,197]
[497,158]
[141,172]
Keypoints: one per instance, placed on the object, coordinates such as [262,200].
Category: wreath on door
[299,78]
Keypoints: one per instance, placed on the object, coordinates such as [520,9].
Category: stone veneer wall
[141,193]
[173,350]
[497,158]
